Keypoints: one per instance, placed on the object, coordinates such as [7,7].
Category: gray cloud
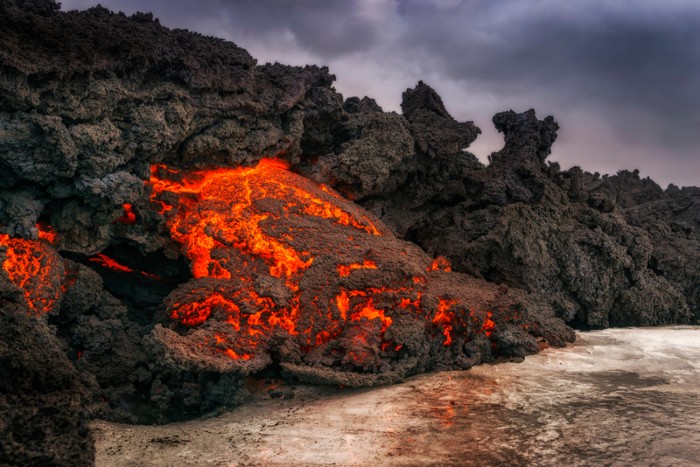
[621,76]
[640,71]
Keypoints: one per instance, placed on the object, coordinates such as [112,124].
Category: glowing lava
[107,262]
[128,217]
[238,226]
[35,268]
[346,269]
[440,264]
[274,258]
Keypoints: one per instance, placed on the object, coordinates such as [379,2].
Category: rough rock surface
[522,222]
[42,398]
[671,217]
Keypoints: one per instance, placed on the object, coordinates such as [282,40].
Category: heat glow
[253,235]
[34,267]
[128,217]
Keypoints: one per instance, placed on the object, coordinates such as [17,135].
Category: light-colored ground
[618,397]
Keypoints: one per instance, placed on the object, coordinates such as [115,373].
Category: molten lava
[440,264]
[108,262]
[35,268]
[346,269]
[238,227]
[276,261]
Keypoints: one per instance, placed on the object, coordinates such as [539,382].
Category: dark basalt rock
[43,419]
[671,218]
[369,152]
[525,137]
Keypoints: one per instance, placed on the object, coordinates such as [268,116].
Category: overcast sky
[622,77]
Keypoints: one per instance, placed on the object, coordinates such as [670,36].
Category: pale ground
[618,397]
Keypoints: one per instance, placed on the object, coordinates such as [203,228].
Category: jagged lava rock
[43,419]
[524,223]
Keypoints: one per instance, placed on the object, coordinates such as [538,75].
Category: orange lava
[444,317]
[489,326]
[240,188]
[106,261]
[32,266]
[440,264]
[195,313]
[345,269]
[47,233]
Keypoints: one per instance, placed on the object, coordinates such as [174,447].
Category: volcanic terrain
[177,221]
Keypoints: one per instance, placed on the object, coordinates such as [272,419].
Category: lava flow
[284,268]
[35,268]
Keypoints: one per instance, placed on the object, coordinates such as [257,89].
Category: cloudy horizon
[620,77]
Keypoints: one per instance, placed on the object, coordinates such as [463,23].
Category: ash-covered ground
[618,397]
[105,120]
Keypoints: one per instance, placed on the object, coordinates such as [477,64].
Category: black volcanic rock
[369,152]
[525,136]
[670,217]
[436,133]
[42,398]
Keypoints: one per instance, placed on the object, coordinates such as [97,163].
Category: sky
[622,77]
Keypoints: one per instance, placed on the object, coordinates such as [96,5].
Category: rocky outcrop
[670,217]
[523,222]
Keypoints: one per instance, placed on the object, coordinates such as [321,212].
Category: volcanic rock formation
[43,402]
[173,211]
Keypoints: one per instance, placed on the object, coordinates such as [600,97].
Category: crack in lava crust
[287,270]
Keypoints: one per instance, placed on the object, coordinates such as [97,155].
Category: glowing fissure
[107,262]
[346,269]
[444,318]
